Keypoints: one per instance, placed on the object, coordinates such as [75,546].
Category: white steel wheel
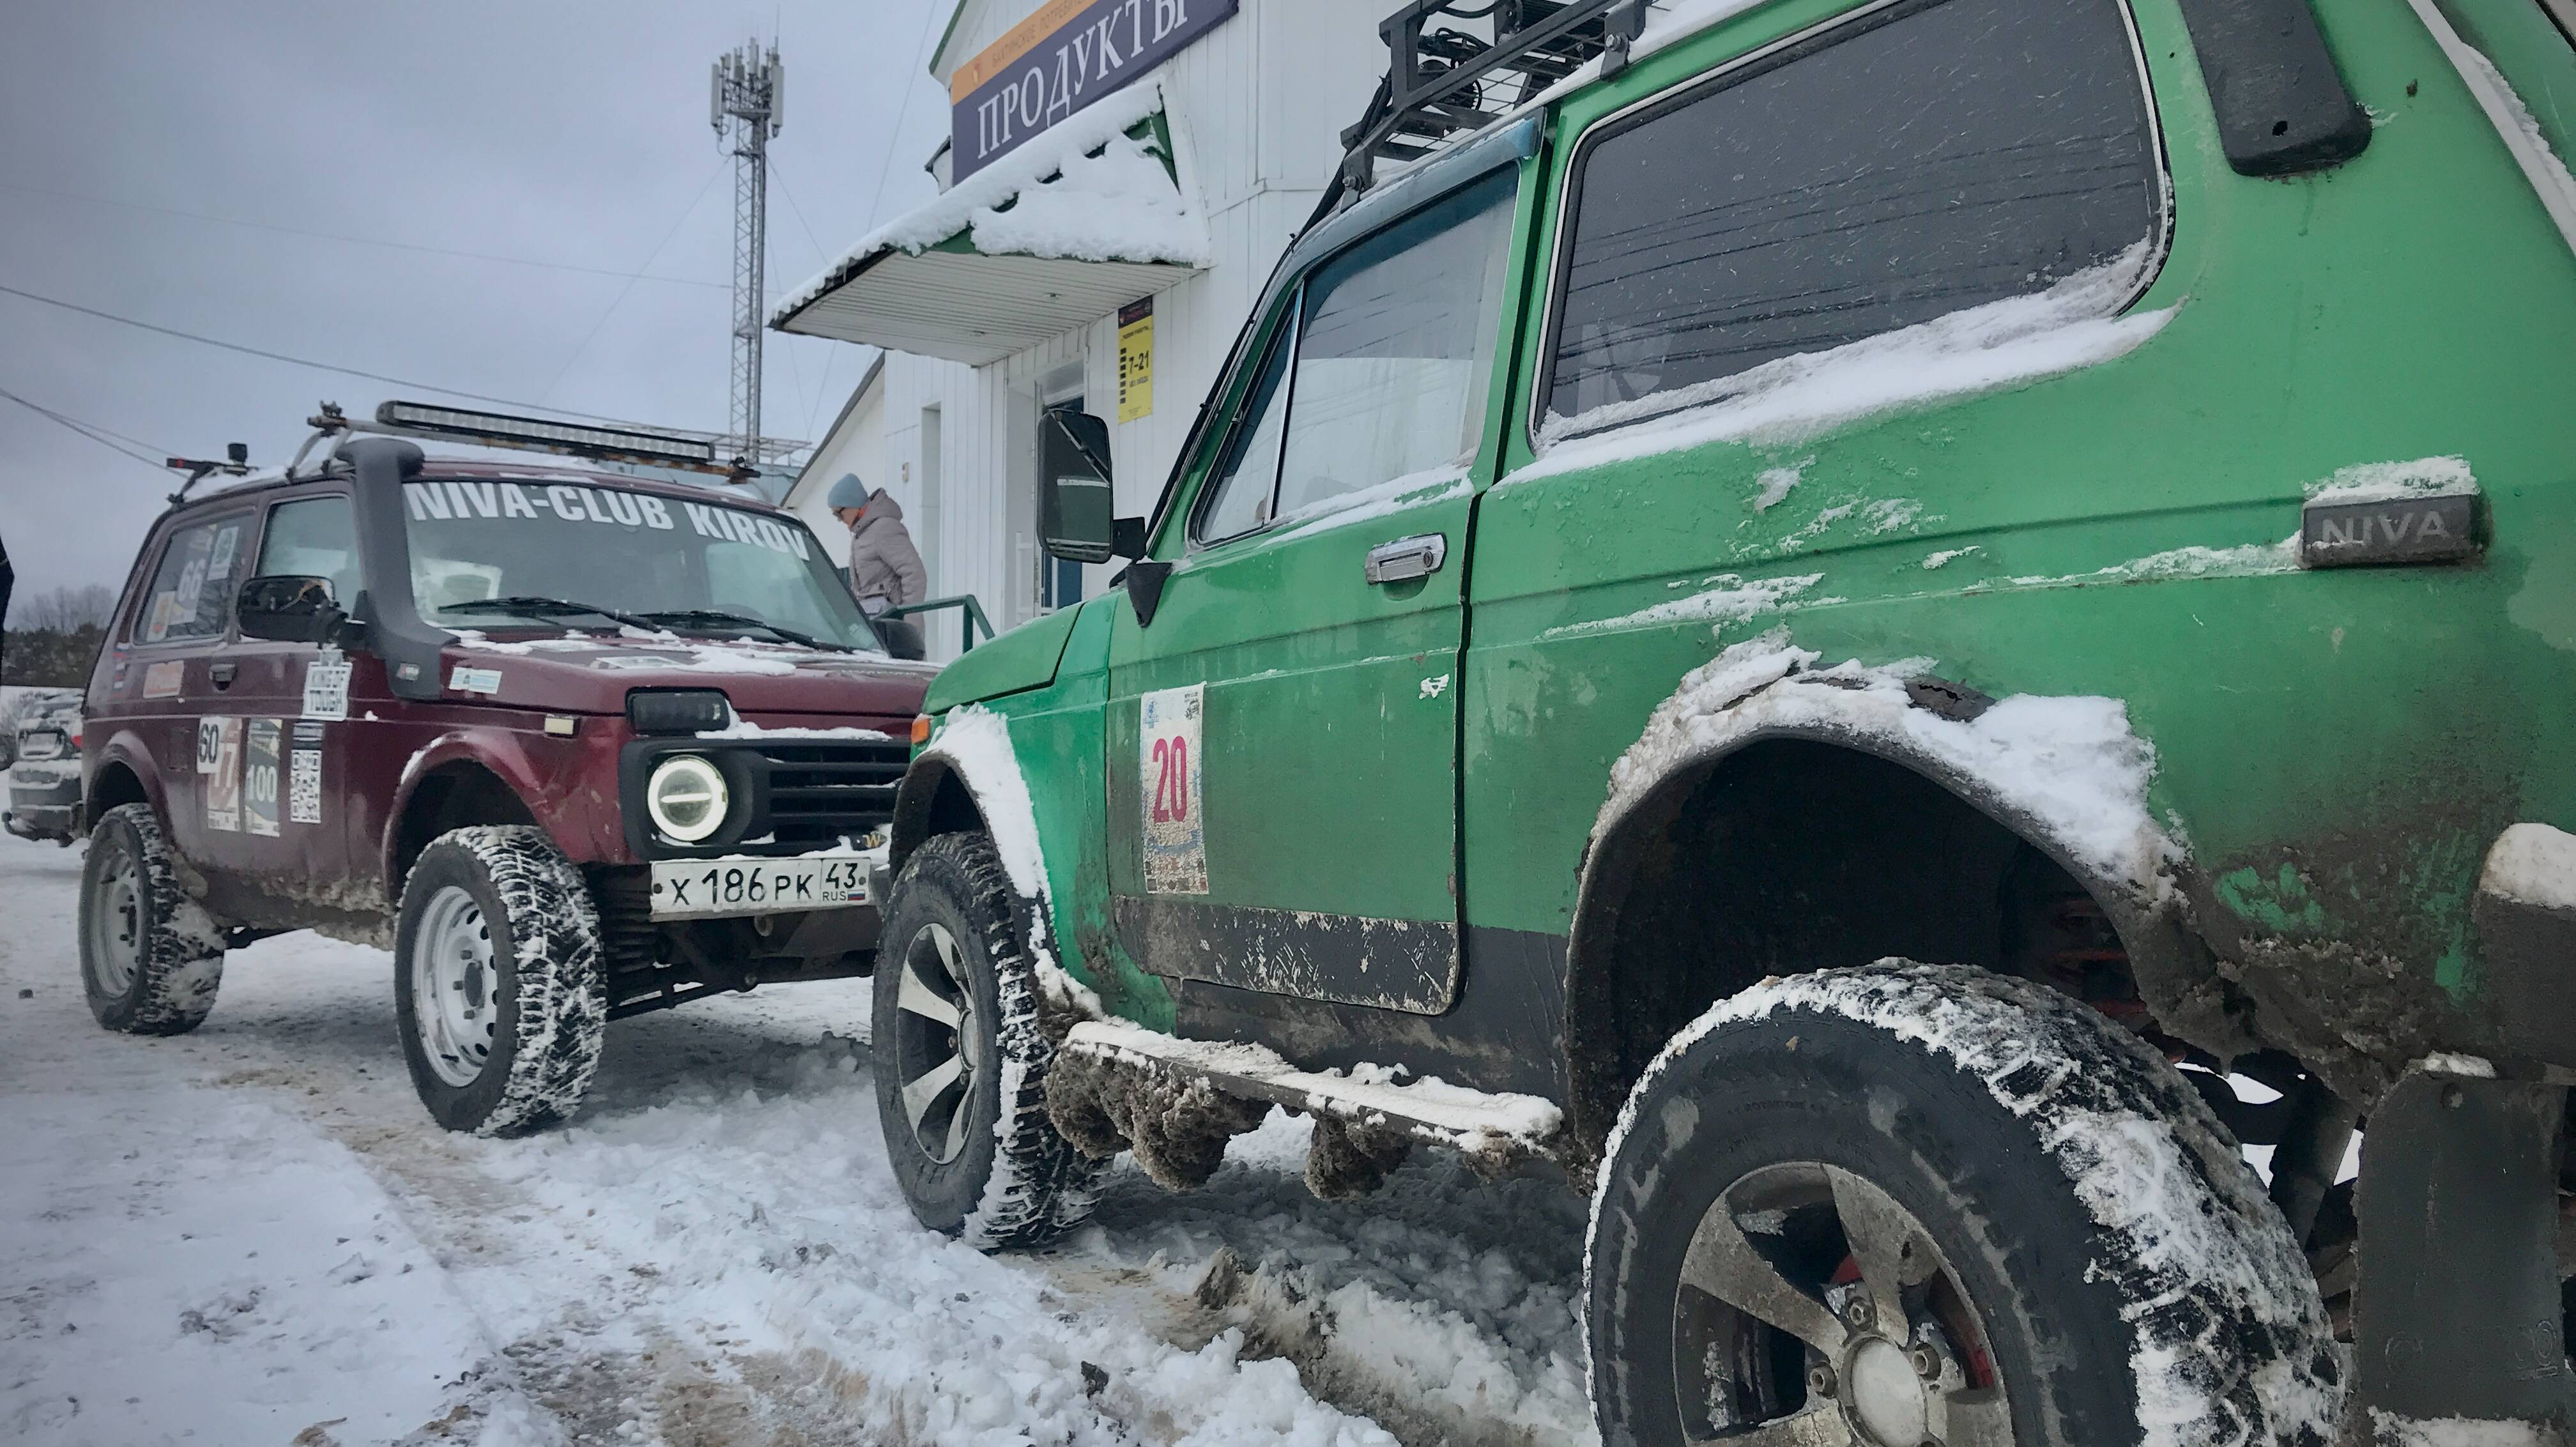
[454,994]
[151,959]
[116,924]
[938,1046]
[498,988]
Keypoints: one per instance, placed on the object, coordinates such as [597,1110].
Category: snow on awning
[1056,235]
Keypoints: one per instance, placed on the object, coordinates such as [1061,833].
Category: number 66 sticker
[1175,826]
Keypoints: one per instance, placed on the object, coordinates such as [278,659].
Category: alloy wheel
[1816,1311]
[938,1049]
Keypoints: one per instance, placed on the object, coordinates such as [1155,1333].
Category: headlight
[687,798]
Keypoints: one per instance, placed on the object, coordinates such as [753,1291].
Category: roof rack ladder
[1436,87]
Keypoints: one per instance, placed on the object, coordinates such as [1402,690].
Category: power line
[90,430]
[353,240]
[620,300]
[295,361]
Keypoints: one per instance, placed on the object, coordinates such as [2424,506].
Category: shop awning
[1054,236]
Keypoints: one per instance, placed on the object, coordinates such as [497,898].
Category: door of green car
[1283,735]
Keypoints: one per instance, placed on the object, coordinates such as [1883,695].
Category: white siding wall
[1256,107]
[858,445]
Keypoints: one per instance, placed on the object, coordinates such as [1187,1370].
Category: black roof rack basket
[1442,85]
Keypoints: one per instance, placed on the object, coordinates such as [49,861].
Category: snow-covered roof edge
[972,205]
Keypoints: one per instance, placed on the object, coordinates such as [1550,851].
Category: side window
[192,591]
[1393,348]
[1243,487]
[1948,155]
[316,537]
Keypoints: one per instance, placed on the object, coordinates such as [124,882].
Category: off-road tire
[2123,1262]
[550,994]
[1016,1182]
[178,961]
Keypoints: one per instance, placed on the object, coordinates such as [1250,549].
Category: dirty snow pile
[2071,765]
[253,1233]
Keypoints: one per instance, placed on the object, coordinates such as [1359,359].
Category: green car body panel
[2336,749]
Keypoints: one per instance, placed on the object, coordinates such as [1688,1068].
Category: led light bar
[573,439]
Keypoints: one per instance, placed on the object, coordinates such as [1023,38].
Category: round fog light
[687,798]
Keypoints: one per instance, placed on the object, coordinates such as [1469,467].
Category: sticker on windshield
[475,680]
[1175,832]
[326,688]
[162,680]
[259,778]
[733,526]
[468,501]
[219,760]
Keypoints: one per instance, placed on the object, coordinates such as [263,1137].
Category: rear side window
[192,590]
[1935,157]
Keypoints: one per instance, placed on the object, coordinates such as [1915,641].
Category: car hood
[768,682]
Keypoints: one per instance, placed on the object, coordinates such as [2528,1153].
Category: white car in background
[44,739]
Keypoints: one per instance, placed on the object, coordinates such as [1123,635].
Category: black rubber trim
[2283,108]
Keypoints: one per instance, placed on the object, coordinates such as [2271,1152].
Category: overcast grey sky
[563,131]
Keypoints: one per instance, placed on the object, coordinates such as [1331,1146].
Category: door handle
[1406,559]
[221,672]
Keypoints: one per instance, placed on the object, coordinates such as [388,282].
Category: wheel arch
[1820,806]
[447,788]
[933,799]
[117,782]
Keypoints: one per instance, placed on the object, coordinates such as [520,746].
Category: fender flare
[509,764]
[125,747]
[1763,690]
[973,747]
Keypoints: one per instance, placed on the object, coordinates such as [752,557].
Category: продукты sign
[1064,57]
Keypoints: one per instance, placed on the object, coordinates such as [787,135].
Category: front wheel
[961,1062]
[1903,1205]
[497,981]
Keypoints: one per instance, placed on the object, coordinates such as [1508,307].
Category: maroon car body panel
[374,762]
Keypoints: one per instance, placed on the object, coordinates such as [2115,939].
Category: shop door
[1283,736]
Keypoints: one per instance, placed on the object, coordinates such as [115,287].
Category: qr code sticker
[304,787]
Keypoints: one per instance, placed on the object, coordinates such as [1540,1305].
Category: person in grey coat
[885,568]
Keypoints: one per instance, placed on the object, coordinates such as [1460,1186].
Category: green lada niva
[1897,635]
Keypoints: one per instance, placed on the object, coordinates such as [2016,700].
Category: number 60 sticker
[1175,830]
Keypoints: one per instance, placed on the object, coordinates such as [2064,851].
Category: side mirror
[285,608]
[1077,520]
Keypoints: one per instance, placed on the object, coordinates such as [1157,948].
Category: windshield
[561,555]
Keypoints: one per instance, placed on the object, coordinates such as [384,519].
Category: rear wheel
[151,960]
[1900,1206]
[498,983]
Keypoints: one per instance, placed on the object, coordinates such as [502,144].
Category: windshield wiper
[710,619]
[531,606]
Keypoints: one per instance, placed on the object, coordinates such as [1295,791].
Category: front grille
[824,789]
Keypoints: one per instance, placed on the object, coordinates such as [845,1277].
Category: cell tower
[745,103]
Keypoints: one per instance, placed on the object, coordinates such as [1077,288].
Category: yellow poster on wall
[1136,360]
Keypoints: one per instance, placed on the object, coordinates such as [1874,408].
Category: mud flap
[2456,1313]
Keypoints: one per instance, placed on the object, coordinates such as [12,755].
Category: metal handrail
[971,616]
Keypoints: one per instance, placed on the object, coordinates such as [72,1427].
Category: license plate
[716,888]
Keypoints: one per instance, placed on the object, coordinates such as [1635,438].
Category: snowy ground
[253,1234]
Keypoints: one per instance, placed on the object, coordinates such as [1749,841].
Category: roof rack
[1443,85]
[617,442]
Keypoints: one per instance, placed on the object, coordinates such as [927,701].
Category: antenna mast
[745,96]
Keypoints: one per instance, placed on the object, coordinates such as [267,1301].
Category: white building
[1107,155]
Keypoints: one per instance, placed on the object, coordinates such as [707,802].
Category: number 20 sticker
[1175,830]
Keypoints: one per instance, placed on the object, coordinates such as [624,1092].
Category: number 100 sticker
[1175,830]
